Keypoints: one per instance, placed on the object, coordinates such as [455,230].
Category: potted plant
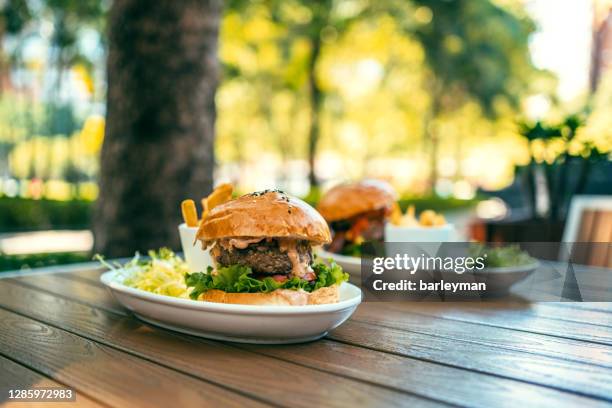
[559,167]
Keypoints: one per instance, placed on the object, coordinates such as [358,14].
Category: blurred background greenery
[450,101]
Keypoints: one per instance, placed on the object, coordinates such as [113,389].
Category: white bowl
[238,323]
[197,259]
[500,279]
[442,233]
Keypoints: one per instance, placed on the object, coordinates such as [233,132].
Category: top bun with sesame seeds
[269,214]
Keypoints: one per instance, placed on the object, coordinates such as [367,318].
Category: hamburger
[357,212]
[261,246]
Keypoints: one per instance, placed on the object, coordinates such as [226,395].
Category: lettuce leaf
[351,250]
[239,279]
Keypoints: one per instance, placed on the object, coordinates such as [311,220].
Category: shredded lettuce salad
[496,257]
[162,273]
[239,279]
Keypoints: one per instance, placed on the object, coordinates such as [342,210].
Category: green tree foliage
[310,22]
[14,14]
[475,51]
[69,17]
[447,72]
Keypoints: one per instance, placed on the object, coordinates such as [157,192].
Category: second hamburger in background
[357,212]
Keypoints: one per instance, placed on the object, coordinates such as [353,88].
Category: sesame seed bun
[269,214]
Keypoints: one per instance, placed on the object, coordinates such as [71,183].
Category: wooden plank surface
[397,316]
[485,315]
[401,373]
[89,294]
[237,369]
[539,374]
[102,372]
[15,376]
[554,311]
[388,354]
[604,307]
[91,275]
[572,377]
[454,385]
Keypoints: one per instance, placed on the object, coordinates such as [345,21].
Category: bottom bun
[279,297]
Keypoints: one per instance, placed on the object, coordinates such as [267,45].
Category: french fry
[226,188]
[439,220]
[427,218]
[396,215]
[410,211]
[220,195]
[190,214]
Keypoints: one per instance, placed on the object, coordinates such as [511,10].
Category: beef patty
[375,229]
[263,257]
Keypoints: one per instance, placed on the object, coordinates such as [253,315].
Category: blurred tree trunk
[433,161]
[431,133]
[316,98]
[158,147]
[3,66]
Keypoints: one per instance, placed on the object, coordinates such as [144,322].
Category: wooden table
[63,328]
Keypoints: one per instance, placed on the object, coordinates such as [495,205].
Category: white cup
[435,236]
[197,259]
[398,233]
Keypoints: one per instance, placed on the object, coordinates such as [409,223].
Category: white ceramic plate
[500,279]
[238,323]
[350,264]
